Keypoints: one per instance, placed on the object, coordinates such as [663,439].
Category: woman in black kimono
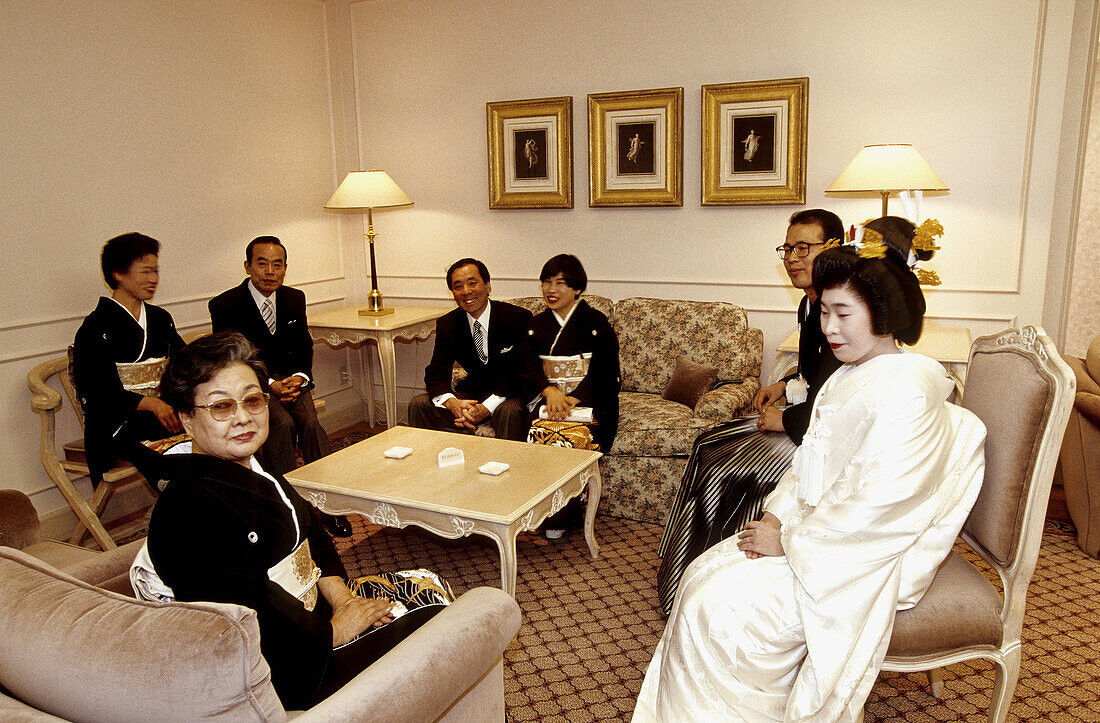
[122,331]
[569,327]
[224,530]
[734,466]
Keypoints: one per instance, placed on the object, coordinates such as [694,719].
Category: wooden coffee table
[454,501]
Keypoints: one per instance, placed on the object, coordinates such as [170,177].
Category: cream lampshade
[884,169]
[365,191]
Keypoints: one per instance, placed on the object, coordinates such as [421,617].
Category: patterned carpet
[590,626]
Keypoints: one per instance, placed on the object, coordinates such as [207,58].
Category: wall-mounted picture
[635,148]
[754,142]
[530,153]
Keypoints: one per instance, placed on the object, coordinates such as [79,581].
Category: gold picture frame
[530,153]
[636,148]
[754,142]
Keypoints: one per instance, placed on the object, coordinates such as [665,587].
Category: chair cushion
[81,653]
[960,609]
[650,426]
[1013,419]
[690,381]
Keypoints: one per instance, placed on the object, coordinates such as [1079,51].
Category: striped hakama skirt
[732,468]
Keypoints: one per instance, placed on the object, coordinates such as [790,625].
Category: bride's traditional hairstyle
[201,360]
[878,272]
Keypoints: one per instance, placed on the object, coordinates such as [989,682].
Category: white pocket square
[505,351]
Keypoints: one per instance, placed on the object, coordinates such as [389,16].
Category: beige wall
[979,88]
[200,123]
[1083,311]
[206,123]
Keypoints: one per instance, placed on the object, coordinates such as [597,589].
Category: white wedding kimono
[871,506]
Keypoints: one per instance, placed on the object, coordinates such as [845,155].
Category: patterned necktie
[268,313]
[479,342]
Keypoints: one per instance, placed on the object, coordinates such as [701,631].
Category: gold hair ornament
[872,246]
[925,235]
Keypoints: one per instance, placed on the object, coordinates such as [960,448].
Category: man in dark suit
[484,338]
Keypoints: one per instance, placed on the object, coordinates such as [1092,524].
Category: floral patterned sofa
[643,468]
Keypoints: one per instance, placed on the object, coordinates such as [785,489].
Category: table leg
[367,363]
[594,485]
[387,361]
[506,543]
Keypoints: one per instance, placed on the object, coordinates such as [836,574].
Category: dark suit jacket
[290,349]
[109,335]
[215,531]
[816,364]
[454,343]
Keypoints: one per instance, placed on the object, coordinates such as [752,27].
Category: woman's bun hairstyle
[883,280]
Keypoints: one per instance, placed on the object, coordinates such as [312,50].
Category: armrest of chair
[106,565]
[19,525]
[1085,383]
[1088,406]
[728,401]
[45,398]
[423,676]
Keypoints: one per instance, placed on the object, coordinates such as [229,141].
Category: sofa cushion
[690,381]
[653,332]
[656,427]
[81,653]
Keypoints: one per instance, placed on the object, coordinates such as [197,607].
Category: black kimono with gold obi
[108,336]
[587,331]
[214,533]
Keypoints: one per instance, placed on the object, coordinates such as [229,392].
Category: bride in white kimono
[790,620]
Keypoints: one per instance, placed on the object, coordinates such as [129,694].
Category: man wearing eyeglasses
[807,232]
[272,316]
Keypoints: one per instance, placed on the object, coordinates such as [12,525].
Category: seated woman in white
[790,620]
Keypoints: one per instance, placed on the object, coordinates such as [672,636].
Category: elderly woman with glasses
[734,466]
[224,530]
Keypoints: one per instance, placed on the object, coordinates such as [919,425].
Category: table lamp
[366,191]
[886,168]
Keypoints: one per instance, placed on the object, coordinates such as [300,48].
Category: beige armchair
[963,616]
[1080,459]
[73,651]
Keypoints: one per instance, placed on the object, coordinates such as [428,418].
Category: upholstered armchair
[1081,451]
[73,651]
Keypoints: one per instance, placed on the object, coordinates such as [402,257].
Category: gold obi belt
[142,377]
[566,372]
[298,575]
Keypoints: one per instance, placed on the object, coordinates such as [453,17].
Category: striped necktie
[479,342]
[268,313]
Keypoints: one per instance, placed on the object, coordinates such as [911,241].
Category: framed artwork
[754,142]
[635,148]
[530,153]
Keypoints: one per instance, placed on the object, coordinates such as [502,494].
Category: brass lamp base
[374,304]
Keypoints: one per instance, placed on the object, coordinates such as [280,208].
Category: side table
[345,326]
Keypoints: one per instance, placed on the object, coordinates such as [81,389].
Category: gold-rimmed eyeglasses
[225,409]
[800,249]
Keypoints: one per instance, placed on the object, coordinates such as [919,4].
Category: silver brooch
[253,537]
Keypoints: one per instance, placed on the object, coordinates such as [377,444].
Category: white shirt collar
[258,296]
[563,320]
[484,318]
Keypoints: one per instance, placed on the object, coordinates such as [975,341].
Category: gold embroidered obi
[143,376]
[566,372]
[298,575]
